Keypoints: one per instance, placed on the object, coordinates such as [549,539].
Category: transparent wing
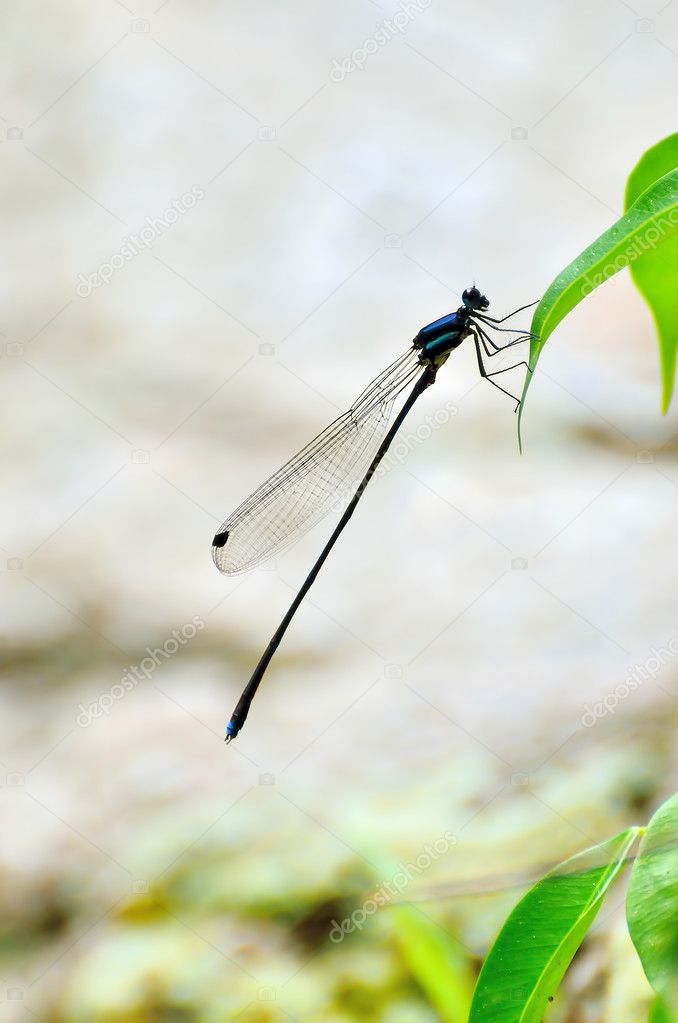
[321,476]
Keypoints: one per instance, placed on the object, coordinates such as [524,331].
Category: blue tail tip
[231,731]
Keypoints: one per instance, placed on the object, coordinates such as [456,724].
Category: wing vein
[322,475]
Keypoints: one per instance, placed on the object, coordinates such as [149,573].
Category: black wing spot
[220,539]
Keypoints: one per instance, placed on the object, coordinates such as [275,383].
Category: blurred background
[220,221]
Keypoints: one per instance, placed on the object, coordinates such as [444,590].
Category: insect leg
[489,376]
[505,330]
[487,340]
[508,317]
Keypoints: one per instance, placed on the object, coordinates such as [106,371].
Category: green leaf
[656,274]
[659,1012]
[541,935]
[650,221]
[652,904]
[438,963]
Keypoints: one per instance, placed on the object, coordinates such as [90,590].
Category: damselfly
[349,450]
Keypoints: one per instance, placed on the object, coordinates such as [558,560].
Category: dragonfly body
[440,338]
[347,453]
[437,340]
